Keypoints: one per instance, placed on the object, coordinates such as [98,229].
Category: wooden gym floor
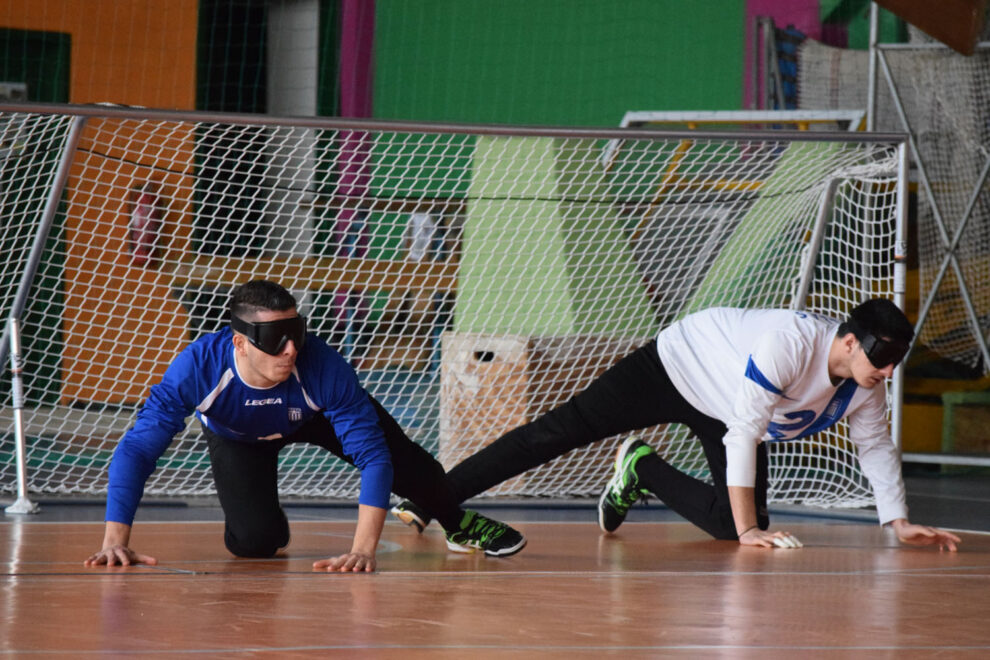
[657,588]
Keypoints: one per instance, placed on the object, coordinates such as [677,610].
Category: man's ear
[849,342]
[238,339]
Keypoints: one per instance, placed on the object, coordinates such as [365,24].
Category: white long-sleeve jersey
[764,373]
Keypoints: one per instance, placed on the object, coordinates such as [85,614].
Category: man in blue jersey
[738,379]
[257,386]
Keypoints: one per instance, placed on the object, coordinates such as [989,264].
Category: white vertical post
[12,332]
[22,504]
[756,64]
[900,285]
[765,30]
[871,88]
[44,228]
[293,63]
[800,299]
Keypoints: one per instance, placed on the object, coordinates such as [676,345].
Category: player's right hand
[352,562]
[765,539]
[118,555]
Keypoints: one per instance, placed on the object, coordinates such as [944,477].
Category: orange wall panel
[121,323]
[132,52]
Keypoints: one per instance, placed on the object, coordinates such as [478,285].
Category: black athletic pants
[246,479]
[634,393]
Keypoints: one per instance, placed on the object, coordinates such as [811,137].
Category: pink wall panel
[802,14]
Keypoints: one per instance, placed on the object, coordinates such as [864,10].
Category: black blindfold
[272,336]
[882,352]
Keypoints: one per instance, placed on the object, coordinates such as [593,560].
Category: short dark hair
[878,317]
[259,295]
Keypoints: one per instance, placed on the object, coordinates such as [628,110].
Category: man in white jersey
[738,379]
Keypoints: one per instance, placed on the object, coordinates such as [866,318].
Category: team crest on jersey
[295,414]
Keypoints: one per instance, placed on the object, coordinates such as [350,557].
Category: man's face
[865,373]
[262,369]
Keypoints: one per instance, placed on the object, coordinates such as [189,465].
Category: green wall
[40,59]
[855,16]
[550,259]
[555,62]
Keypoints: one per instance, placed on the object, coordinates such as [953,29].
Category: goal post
[474,276]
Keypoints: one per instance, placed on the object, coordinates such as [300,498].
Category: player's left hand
[766,539]
[911,534]
[352,562]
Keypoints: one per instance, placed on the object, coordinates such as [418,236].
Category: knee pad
[256,540]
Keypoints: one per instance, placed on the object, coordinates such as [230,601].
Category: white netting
[945,97]
[474,280]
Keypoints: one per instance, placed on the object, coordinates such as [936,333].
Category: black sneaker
[480,533]
[623,488]
[411,515]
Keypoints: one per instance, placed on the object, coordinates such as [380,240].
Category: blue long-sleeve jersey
[203,379]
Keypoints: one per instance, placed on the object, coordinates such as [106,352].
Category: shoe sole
[462,549]
[407,517]
[619,456]
[507,552]
[469,549]
[601,506]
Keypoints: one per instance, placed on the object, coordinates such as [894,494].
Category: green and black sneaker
[623,488]
[480,533]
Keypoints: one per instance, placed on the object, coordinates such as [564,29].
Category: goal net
[474,277]
[941,97]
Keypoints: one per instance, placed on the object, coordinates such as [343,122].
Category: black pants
[246,479]
[635,393]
